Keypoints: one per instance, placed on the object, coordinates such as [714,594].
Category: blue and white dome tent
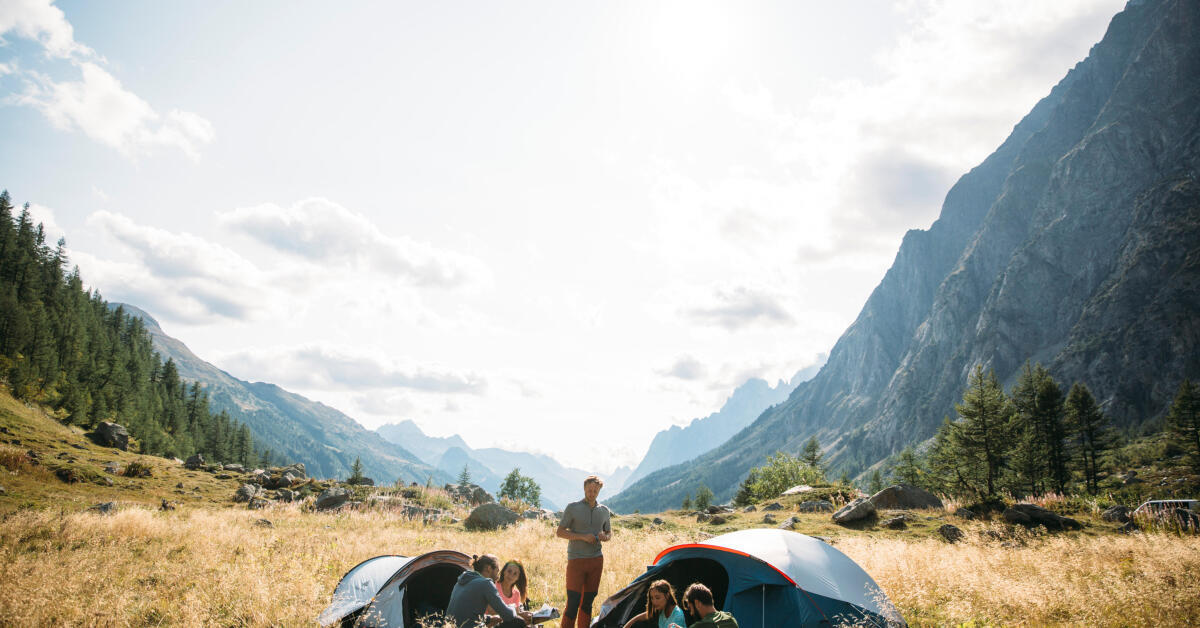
[394,591]
[764,578]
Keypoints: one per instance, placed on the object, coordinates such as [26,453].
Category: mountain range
[292,427]
[1076,244]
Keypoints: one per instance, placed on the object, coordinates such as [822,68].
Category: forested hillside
[63,346]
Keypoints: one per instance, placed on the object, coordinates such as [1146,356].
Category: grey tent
[394,591]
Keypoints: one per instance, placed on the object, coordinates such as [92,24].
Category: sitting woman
[660,605]
[511,585]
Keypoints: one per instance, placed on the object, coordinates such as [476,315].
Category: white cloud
[687,368]
[322,231]
[96,104]
[740,307]
[105,111]
[180,276]
[44,23]
[325,367]
[45,216]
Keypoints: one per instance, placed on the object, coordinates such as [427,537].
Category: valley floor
[209,566]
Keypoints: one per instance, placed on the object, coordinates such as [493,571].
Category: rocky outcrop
[332,498]
[1031,515]
[904,497]
[815,506]
[951,533]
[490,516]
[856,510]
[194,462]
[112,435]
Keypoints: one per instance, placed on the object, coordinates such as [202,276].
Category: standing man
[585,524]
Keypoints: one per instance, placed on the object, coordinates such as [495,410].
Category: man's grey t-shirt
[580,518]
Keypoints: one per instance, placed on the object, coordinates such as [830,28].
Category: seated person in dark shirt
[475,591]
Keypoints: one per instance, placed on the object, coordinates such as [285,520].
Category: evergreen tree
[356,472]
[908,469]
[704,497]
[464,476]
[876,483]
[1089,427]
[983,434]
[1039,457]
[1183,421]
[687,502]
[811,454]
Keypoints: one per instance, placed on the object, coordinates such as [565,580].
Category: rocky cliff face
[1074,244]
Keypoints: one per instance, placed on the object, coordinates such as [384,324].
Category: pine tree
[704,497]
[1183,421]
[908,469]
[811,454]
[356,472]
[687,502]
[876,483]
[983,434]
[1090,432]
[1039,458]
[464,476]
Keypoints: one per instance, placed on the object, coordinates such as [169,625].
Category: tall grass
[142,567]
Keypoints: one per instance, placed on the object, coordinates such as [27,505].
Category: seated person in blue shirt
[660,606]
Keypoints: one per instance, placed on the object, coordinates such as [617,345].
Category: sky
[556,227]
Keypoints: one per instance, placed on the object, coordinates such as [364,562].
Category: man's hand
[604,536]
[525,616]
[491,620]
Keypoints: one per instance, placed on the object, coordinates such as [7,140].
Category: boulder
[951,533]
[749,508]
[904,497]
[718,520]
[769,519]
[180,485]
[703,517]
[1031,515]
[284,495]
[112,435]
[773,506]
[113,468]
[288,479]
[480,496]
[895,523]
[331,498]
[166,505]
[787,524]
[264,523]
[531,514]
[658,521]
[194,462]
[104,508]
[297,470]
[796,490]
[490,516]
[246,492]
[963,513]
[236,468]
[856,510]
[258,503]
[815,506]
[1116,514]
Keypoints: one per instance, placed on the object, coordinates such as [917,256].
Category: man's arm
[564,533]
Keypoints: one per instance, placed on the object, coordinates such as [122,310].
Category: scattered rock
[769,519]
[951,533]
[166,505]
[1031,515]
[658,521]
[236,468]
[104,508]
[718,520]
[246,492]
[1130,527]
[297,471]
[787,524]
[815,506]
[703,517]
[1116,514]
[963,513]
[904,497]
[113,468]
[749,508]
[773,506]
[490,516]
[331,498]
[194,462]
[68,475]
[112,435]
[223,476]
[856,510]
[264,523]
[107,481]
[258,503]
[78,446]
[180,485]
[795,490]
[895,523]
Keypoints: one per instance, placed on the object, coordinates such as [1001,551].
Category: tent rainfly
[764,578]
[394,591]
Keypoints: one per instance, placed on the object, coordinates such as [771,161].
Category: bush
[779,474]
[136,469]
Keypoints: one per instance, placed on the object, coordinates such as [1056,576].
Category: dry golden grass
[217,567]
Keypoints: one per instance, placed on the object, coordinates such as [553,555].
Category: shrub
[137,469]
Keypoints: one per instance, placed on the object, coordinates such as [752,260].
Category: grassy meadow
[210,562]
